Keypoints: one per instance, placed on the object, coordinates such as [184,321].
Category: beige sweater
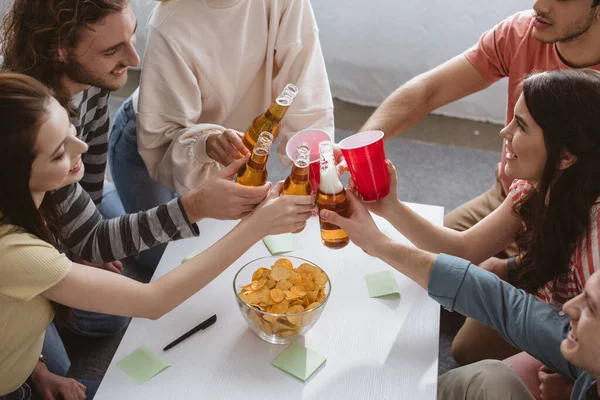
[216,64]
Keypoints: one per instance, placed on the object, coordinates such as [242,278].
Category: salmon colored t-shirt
[510,50]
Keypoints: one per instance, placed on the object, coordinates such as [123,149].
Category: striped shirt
[82,229]
[583,263]
[92,127]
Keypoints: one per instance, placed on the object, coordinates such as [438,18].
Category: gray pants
[485,380]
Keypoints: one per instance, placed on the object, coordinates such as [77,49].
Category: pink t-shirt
[583,263]
[510,50]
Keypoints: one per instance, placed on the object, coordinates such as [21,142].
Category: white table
[375,348]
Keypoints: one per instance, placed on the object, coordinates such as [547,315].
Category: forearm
[414,263]
[83,230]
[96,290]
[423,233]
[518,317]
[175,287]
[453,80]
[405,107]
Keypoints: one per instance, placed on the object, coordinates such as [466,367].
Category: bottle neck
[276,112]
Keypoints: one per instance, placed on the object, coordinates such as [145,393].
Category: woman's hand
[360,227]
[281,214]
[383,207]
[49,385]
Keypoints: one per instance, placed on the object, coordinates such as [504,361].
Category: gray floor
[442,161]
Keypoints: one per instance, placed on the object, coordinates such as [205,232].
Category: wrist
[39,371]
[380,245]
[192,203]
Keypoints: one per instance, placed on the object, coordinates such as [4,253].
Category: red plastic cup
[365,156]
[313,137]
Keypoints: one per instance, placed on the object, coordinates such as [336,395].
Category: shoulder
[519,189]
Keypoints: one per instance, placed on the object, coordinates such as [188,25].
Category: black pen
[186,335]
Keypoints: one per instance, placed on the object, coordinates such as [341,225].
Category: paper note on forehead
[299,361]
[382,284]
[142,364]
[192,254]
[279,244]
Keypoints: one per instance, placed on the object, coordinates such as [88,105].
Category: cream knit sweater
[216,64]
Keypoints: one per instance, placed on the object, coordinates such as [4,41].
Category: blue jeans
[137,190]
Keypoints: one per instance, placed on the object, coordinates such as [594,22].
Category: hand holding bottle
[281,214]
[226,147]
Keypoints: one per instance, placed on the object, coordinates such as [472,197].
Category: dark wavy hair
[23,110]
[34,31]
[566,105]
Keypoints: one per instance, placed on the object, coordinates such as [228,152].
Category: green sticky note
[382,284]
[142,364]
[279,244]
[192,255]
[299,361]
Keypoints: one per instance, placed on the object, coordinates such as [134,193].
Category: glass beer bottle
[331,196]
[270,120]
[255,171]
[297,183]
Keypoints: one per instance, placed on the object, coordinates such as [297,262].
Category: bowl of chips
[281,298]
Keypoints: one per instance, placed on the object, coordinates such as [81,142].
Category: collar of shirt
[592,392]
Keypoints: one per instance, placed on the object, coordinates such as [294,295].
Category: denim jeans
[27,391]
[137,190]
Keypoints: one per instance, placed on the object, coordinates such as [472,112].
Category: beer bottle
[255,171]
[331,196]
[297,183]
[270,120]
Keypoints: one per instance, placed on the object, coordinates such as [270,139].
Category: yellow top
[28,267]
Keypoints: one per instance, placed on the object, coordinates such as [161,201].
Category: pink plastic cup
[365,156]
[313,137]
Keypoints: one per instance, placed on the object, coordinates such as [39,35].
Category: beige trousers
[485,380]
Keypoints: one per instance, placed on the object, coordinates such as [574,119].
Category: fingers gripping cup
[313,137]
[365,156]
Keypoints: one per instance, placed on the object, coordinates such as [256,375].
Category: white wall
[373,46]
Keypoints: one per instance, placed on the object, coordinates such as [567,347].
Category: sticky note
[192,255]
[142,364]
[382,284]
[299,361]
[279,244]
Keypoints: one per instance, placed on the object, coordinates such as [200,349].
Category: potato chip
[284,285]
[280,273]
[258,274]
[259,284]
[271,283]
[280,308]
[277,295]
[266,328]
[296,320]
[284,262]
[296,278]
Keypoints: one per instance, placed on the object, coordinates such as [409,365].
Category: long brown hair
[566,106]
[23,109]
[35,30]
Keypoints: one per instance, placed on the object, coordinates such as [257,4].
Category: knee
[495,376]
[462,350]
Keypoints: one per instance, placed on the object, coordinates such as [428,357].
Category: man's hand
[49,385]
[553,386]
[226,147]
[221,198]
[113,266]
